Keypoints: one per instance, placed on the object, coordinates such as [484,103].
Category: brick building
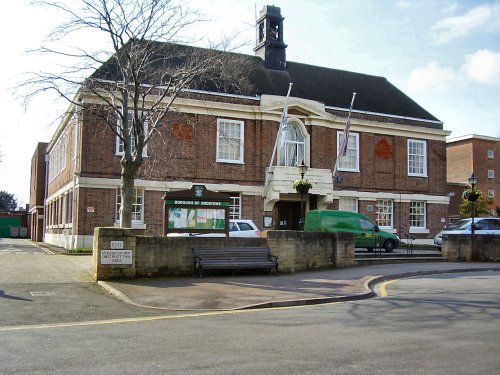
[474,154]
[37,191]
[394,170]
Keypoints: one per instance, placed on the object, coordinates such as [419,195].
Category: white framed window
[57,157]
[491,193]
[417,158]
[385,209]
[76,127]
[235,208]
[230,141]
[348,204]
[137,206]
[417,215]
[70,207]
[349,162]
[491,173]
[292,149]
[119,142]
[491,154]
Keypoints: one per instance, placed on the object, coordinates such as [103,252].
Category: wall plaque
[116,256]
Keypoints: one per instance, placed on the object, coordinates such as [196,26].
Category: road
[37,287]
[440,324]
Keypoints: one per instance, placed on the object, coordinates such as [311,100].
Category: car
[237,228]
[483,225]
[367,234]
[243,228]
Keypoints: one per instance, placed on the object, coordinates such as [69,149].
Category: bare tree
[139,80]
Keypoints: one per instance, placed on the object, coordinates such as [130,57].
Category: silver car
[483,225]
[237,228]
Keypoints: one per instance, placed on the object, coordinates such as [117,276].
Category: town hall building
[394,170]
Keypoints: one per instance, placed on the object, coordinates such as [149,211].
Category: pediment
[296,106]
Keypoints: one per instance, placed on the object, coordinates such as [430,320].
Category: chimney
[270,46]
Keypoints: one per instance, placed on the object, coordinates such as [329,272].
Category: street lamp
[472,198]
[302,189]
[302,168]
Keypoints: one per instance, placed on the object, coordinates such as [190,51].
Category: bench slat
[233,258]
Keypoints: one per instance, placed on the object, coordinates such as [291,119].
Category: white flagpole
[343,145]
[284,117]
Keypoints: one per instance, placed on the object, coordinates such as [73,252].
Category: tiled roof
[332,87]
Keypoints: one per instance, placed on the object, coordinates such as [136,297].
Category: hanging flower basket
[302,186]
[471,196]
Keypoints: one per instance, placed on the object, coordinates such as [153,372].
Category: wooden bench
[233,258]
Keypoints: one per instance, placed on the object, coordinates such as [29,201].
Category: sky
[444,54]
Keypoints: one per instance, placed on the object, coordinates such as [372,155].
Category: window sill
[230,162]
[419,231]
[121,154]
[134,226]
[417,175]
[348,170]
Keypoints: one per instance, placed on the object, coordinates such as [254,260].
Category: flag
[280,138]
[342,150]
[345,139]
[284,120]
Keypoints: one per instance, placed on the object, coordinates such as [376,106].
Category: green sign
[196,218]
[196,210]
[188,202]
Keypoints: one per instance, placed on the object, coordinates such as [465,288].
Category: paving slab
[260,291]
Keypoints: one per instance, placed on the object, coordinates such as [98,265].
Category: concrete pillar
[114,253]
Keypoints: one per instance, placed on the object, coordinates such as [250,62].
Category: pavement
[237,292]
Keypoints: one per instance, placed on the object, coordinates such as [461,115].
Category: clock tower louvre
[270,46]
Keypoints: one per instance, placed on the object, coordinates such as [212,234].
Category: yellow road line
[152,318]
[382,289]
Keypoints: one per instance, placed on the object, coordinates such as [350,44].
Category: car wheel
[389,246]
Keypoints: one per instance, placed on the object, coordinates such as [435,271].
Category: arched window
[292,149]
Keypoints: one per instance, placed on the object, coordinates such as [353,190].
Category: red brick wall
[470,155]
[459,161]
[185,149]
[37,184]
[384,167]
[482,164]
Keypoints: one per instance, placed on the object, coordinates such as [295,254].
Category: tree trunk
[129,170]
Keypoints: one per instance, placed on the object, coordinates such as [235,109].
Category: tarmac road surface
[37,287]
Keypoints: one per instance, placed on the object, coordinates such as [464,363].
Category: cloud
[431,76]
[482,66]
[403,4]
[449,28]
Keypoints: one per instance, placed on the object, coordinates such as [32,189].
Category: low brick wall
[465,248]
[486,248]
[172,256]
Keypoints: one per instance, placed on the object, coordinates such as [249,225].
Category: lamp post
[472,198]
[302,189]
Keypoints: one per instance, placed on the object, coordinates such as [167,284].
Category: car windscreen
[461,224]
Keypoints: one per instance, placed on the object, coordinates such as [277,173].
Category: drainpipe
[46,184]
[76,174]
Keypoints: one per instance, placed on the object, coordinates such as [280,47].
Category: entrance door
[287,215]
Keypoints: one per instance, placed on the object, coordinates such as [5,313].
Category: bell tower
[270,46]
